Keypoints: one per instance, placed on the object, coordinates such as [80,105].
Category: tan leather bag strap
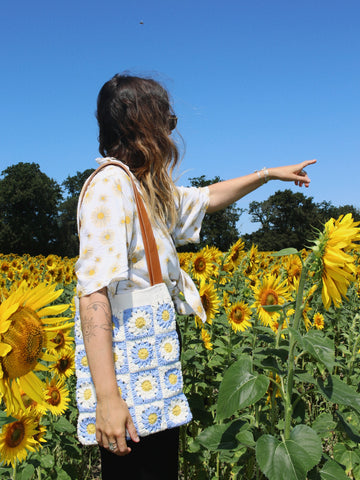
[151,251]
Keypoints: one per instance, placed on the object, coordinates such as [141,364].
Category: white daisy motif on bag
[146,387]
[169,348]
[86,395]
[138,322]
[81,362]
[120,360]
[178,410]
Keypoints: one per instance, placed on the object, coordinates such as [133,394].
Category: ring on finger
[112,446]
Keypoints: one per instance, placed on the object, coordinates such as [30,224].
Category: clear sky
[254,83]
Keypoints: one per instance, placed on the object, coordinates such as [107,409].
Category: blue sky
[254,83]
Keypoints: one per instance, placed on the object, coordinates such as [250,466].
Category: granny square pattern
[147,364]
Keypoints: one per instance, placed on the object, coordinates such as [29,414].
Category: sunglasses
[172,122]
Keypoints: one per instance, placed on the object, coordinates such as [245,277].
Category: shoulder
[111,177]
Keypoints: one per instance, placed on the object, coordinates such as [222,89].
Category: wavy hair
[134,115]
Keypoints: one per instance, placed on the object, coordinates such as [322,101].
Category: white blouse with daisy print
[112,252]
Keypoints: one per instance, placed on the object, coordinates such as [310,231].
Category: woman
[135,122]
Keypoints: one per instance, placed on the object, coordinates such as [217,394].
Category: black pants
[155,457]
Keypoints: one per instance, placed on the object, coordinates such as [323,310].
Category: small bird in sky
[141,22]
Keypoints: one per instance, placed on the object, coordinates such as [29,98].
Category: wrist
[106,394]
[264,175]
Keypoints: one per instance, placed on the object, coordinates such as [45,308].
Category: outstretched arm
[225,193]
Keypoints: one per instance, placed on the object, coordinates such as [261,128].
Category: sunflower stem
[291,359]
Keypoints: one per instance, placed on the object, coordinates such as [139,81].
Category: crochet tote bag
[146,349]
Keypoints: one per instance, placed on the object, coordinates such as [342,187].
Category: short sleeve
[192,206]
[106,218]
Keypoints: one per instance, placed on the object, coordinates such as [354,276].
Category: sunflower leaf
[320,347]
[240,388]
[332,471]
[225,436]
[290,459]
[4,419]
[286,251]
[337,391]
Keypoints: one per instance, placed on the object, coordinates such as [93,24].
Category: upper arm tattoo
[96,315]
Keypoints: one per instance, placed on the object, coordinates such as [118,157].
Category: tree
[218,228]
[68,241]
[29,202]
[288,220]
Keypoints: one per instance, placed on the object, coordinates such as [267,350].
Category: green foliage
[68,242]
[29,202]
[219,228]
[280,405]
[34,216]
[288,219]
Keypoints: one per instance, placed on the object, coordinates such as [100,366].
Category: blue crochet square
[120,357]
[142,354]
[177,411]
[138,322]
[145,386]
[165,318]
[167,348]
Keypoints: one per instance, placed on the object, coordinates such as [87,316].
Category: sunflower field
[272,377]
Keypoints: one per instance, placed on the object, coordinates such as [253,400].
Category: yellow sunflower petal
[53,310]
[32,386]
[8,311]
[40,300]
[4,349]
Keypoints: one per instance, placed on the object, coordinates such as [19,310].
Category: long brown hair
[134,114]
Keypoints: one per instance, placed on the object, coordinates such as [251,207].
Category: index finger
[309,162]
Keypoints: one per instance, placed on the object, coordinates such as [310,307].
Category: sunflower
[18,438]
[185,260]
[56,396]
[338,268]
[206,339]
[209,300]
[26,324]
[64,365]
[235,253]
[252,263]
[318,320]
[238,316]
[202,265]
[293,267]
[273,387]
[61,340]
[269,290]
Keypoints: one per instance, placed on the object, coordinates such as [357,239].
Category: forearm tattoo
[96,315]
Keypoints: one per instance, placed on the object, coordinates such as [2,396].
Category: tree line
[38,215]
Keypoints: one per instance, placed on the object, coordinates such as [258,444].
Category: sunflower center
[63,365]
[15,434]
[237,315]
[54,397]
[26,337]
[206,303]
[199,265]
[269,297]
[59,340]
